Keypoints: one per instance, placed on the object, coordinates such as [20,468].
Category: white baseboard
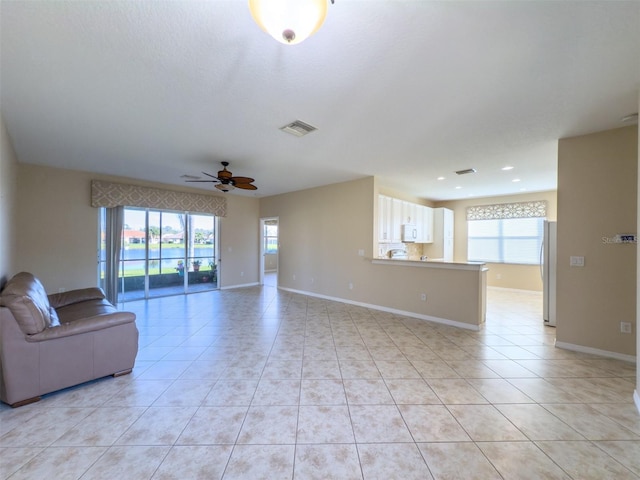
[515,290]
[429,318]
[596,351]
[636,399]
[244,285]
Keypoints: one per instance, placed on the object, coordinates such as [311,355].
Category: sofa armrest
[90,324]
[58,300]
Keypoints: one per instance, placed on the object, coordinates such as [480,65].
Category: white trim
[596,351]
[515,290]
[243,285]
[636,399]
[429,318]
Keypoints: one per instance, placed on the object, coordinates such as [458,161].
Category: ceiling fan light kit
[289,21]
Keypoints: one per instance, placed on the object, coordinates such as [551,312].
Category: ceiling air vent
[298,128]
[464,172]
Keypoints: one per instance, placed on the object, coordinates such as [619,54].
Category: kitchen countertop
[480,266]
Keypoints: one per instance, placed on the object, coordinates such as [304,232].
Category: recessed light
[515,180]
[440,178]
[507,167]
[458,187]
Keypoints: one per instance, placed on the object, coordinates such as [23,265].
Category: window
[162,253]
[505,240]
[271,237]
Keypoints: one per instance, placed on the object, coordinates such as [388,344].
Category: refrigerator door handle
[541,260]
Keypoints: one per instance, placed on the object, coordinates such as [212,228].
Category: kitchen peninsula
[452,293]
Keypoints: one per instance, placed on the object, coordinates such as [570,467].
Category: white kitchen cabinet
[442,247]
[396,220]
[424,217]
[393,213]
[409,213]
[385,224]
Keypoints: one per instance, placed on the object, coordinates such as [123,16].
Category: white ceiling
[404,90]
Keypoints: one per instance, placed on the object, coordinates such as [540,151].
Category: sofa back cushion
[25,296]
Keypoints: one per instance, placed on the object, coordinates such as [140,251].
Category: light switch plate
[576,261]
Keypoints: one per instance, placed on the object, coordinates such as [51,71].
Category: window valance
[109,194]
[508,210]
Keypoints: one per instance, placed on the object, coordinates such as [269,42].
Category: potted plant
[180,268]
[214,273]
[196,265]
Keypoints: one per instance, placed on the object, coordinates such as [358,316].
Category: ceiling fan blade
[246,186]
[238,180]
[195,181]
[209,175]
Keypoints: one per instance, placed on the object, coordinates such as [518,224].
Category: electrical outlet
[423,297]
[294,276]
[361,252]
[625,327]
[499,276]
[576,261]
[350,285]
[312,280]
[242,274]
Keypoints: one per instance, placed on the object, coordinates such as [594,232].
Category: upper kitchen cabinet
[425,224]
[385,224]
[393,213]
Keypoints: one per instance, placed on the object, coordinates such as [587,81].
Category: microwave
[409,232]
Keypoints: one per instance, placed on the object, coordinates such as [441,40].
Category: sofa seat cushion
[88,308]
[25,296]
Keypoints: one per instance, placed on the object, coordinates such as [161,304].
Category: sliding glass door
[166,253]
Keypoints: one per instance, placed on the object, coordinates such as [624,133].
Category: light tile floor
[259,383]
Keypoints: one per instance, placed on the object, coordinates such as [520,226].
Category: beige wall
[57,229]
[321,231]
[8,194]
[597,185]
[521,277]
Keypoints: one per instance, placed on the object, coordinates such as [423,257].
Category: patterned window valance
[508,210]
[108,194]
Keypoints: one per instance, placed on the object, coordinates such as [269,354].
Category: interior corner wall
[326,249]
[637,392]
[519,277]
[8,200]
[240,242]
[597,199]
[57,228]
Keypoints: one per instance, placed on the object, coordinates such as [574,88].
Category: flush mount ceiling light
[289,21]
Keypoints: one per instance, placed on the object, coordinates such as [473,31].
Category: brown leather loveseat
[50,342]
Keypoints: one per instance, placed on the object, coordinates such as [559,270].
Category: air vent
[464,172]
[298,128]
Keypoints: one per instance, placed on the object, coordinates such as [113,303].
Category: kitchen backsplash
[414,250]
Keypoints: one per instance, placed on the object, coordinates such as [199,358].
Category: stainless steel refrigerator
[548,268]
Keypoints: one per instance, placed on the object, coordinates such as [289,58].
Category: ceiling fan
[227,181]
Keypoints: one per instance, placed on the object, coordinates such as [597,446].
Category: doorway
[269,251]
